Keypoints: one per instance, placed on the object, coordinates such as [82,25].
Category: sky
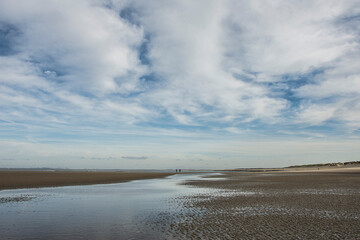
[178,84]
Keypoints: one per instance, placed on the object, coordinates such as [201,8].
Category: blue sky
[178,84]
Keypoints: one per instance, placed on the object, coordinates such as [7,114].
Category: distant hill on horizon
[335,164]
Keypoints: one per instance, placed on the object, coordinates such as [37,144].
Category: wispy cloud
[134,158]
[100,70]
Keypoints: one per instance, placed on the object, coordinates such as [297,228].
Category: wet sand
[284,205]
[36,179]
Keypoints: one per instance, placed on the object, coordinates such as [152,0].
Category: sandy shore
[35,179]
[284,205]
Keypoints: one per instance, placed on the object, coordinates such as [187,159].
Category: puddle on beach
[104,211]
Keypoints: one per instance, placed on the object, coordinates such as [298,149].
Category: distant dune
[338,166]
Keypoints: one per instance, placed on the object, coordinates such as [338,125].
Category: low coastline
[37,179]
[302,203]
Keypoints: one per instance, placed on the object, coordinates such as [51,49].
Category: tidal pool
[104,211]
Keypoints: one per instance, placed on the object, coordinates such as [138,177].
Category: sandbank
[37,179]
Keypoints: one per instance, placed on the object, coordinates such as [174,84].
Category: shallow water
[104,211]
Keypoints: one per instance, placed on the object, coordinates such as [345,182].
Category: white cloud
[209,57]
[335,95]
[187,50]
[273,38]
[70,57]
[87,45]
[206,53]
[221,65]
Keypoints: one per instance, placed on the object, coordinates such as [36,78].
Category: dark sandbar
[36,179]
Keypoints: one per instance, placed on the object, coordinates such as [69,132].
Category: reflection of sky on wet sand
[92,212]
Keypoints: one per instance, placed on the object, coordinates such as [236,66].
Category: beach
[36,179]
[127,210]
[298,203]
[278,205]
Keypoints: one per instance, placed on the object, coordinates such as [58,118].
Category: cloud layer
[68,68]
